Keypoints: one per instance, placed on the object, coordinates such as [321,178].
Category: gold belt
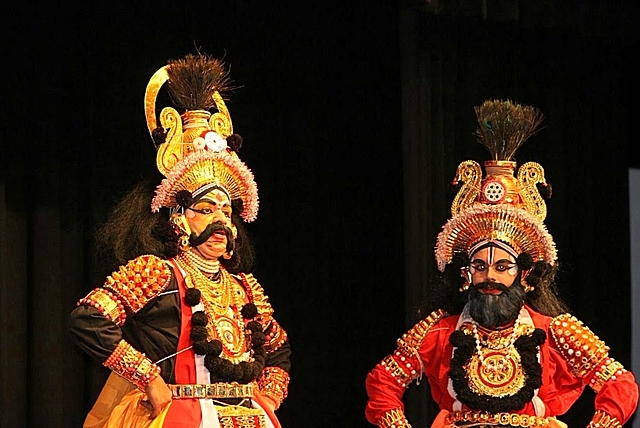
[496,418]
[212,390]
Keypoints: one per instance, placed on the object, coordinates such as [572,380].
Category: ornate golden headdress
[193,151]
[499,207]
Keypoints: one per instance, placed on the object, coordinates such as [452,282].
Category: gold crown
[194,154]
[501,206]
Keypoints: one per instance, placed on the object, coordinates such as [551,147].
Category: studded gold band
[107,303]
[497,418]
[608,370]
[401,370]
[212,390]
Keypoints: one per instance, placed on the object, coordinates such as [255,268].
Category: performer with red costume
[189,336]
[503,350]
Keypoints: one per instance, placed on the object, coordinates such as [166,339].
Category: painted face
[213,207]
[493,264]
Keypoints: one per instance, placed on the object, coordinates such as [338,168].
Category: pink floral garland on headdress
[244,175]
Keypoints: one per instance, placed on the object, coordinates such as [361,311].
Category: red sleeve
[390,378]
[618,396]
[387,382]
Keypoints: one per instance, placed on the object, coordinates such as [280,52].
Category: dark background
[354,117]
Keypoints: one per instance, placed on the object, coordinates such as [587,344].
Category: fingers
[155,411]
[146,404]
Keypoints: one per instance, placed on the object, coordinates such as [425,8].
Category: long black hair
[132,230]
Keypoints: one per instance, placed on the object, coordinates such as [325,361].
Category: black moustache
[491,284]
[195,240]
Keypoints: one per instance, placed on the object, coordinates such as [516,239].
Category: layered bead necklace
[219,331]
[210,268]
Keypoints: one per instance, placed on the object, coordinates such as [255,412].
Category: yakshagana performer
[502,350]
[189,336]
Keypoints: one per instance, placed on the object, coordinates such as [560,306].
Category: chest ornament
[496,372]
[226,332]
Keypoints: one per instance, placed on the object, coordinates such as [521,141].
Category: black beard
[195,240]
[493,311]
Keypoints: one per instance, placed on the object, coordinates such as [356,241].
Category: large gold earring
[184,243]
[228,255]
[182,228]
[464,272]
[523,280]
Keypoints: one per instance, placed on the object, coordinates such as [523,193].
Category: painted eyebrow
[211,201]
[501,261]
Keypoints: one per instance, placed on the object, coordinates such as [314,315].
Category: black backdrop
[354,117]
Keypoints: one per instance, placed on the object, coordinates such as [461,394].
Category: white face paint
[215,206]
[493,264]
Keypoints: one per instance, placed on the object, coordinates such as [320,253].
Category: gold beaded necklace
[222,299]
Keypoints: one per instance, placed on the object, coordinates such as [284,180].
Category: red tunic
[561,386]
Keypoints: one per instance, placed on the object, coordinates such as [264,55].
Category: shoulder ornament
[276,336]
[411,340]
[139,281]
[255,292]
[582,349]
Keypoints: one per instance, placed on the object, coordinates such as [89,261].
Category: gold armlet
[393,419]
[609,369]
[139,281]
[275,337]
[412,339]
[399,366]
[602,420]
[578,345]
[107,303]
[132,365]
[274,383]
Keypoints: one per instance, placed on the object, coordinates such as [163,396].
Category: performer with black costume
[189,336]
[503,351]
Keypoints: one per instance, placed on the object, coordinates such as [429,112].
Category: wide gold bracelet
[394,418]
[274,383]
[132,365]
[603,420]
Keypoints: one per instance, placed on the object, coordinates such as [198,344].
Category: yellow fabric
[131,414]
[112,392]
[118,406]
